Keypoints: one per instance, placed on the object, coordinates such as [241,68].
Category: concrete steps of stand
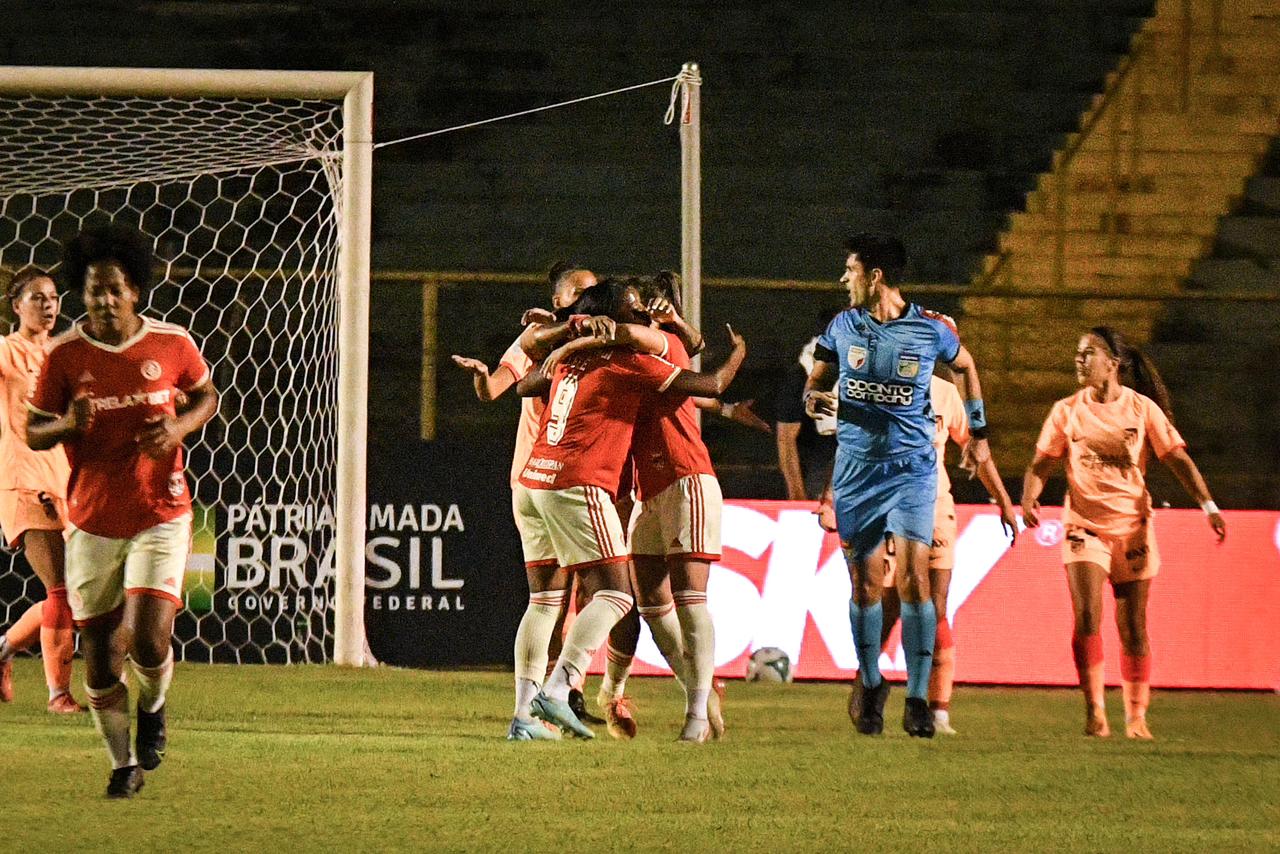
[1203,225]
[1086,243]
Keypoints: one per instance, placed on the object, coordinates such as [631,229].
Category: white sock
[699,635]
[616,669]
[589,630]
[665,627]
[110,710]
[153,683]
[536,626]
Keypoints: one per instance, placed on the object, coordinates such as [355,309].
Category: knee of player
[148,649]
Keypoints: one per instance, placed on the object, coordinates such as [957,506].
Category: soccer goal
[255,186]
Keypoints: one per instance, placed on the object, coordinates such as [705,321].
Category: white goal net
[244,198]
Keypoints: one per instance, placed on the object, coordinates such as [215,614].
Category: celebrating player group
[611,367]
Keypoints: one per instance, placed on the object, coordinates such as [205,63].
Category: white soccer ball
[769,664]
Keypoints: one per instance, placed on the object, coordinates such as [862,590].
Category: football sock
[944,667]
[699,636]
[23,633]
[1086,650]
[866,622]
[153,683]
[57,641]
[532,638]
[919,631]
[1135,673]
[617,667]
[110,708]
[588,632]
[665,627]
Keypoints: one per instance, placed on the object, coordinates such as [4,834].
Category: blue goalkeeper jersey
[885,370]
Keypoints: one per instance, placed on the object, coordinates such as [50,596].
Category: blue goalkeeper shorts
[890,497]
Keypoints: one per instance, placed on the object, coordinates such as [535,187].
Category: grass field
[311,758]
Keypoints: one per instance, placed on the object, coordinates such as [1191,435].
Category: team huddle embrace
[618,506]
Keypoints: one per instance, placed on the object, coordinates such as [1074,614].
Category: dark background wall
[930,118]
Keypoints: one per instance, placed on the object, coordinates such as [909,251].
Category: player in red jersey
[569,522]
[668,440]
[107,393]
[1104,434]
[33,489]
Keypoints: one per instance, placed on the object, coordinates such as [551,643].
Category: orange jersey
[21,467]
[1106,447]
[668,441]
[517,361]
[115,490]
[951,422]
[586,430]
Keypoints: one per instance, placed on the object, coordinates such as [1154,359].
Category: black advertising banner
[444,576]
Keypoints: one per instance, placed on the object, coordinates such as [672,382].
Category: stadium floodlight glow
[255,186]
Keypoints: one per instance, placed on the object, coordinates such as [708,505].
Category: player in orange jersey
[108,392]
[33,490]
[567,281]
[1104,434]
[952,423]
[572,476]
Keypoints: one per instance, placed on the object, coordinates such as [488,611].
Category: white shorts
[576,528]
[682,520]
[101,570]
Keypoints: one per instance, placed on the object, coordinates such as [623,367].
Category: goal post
[256,187]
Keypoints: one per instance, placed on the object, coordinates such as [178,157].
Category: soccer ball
[769,664]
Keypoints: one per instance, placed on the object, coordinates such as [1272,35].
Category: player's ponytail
[1136,368]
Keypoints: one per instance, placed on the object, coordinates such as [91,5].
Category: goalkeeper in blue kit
[882,351]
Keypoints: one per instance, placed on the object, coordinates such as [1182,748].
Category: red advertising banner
[1213,616]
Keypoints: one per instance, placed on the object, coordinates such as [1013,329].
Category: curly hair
[111,242]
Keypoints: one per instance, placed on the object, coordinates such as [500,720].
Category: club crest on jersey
[151,370]
[857,356]
[176,484]
[908,366]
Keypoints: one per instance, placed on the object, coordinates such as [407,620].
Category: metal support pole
[691,196]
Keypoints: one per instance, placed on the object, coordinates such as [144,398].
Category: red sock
[57,641]
[944,639]
[24,632]
[1135,668]
[1087,652]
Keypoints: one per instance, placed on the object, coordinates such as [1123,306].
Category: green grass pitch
[298,759]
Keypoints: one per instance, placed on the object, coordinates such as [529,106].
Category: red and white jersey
[21,467]
[668,441]
[115,490]
[587,427]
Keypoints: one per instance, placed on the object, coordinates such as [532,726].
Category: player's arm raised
[538,340]
[488,386]
[162,433]
[714,383]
